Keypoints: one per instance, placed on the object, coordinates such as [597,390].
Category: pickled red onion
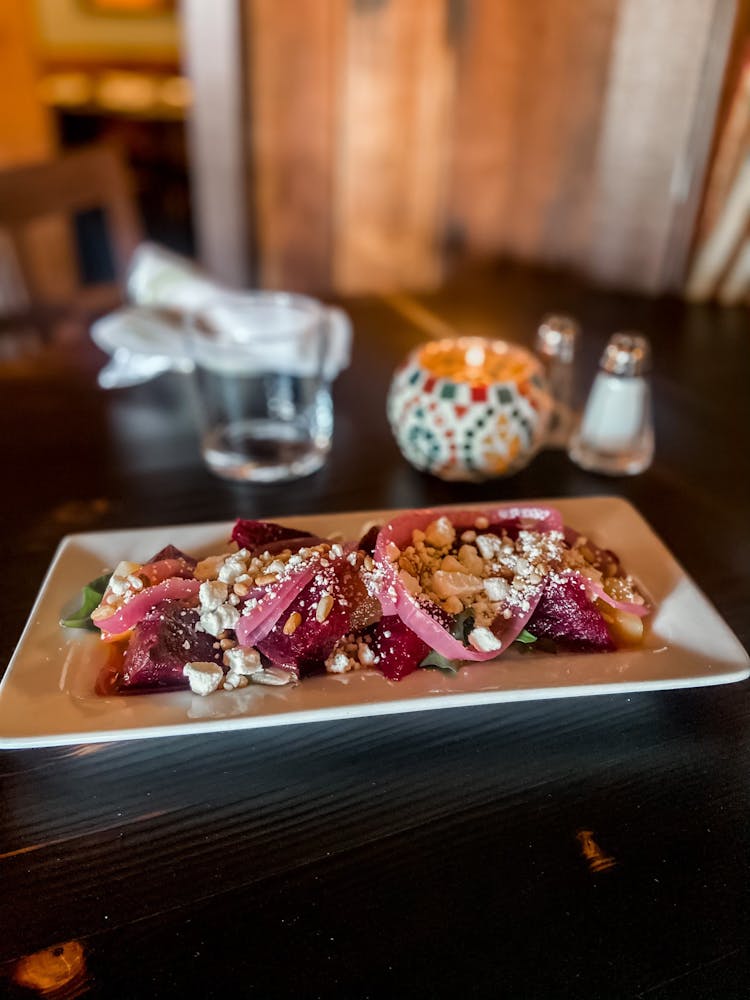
[396,599]
[598,591]
[252,628]
[164,569]
[126,617]
[256,625]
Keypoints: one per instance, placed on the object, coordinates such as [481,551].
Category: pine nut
[292,622]
[323,609]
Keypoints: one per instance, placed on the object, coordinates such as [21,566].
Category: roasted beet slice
[317,618]
[252,534]
[566,615]
[162,643]
[172,552]
[398,649]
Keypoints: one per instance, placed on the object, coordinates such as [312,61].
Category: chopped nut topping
[410,582]
[292,623]
[392,551]
[324,607]
[455,584]
[450,564]
[350,653]
[453,605]
[440,533]
[471,560]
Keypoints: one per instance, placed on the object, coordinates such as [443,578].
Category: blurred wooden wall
[386,137]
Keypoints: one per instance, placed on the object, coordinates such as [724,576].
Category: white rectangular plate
[47,696]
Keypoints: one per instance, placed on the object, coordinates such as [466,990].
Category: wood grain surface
[294,54]
[591,847]
[386,138]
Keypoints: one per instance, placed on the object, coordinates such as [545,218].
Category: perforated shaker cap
[626,354]
[557,336]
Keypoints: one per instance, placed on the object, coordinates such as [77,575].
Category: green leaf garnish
[436,661]
[91,597]
[525,637]
[463,625]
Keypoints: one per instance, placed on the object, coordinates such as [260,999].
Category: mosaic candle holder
[469,408]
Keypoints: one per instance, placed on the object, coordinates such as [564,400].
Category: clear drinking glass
[263,371]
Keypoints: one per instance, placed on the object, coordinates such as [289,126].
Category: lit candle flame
[475,356]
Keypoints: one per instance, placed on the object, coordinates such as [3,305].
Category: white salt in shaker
[616,434]
[556,341]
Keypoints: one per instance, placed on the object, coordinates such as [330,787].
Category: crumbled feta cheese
[484,640]
[223,617]
[203,677]
[234,566]
[242,661]
[339,663]
[496,588]
[233,681]
[124,580]
[365,655]
[489,546]
[211,594]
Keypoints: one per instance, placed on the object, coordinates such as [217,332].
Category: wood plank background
[385,137]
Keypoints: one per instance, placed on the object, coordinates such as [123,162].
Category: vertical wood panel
[216,134]
[571,132]
[394,145]
[530,90]
[294,86]
[665,76]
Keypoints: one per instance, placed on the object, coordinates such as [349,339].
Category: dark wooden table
[428,855]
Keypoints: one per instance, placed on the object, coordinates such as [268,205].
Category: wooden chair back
[37,206]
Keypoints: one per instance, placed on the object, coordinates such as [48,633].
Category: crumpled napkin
[148,337]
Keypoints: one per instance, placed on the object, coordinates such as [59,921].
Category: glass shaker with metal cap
[616,433]
[556,342]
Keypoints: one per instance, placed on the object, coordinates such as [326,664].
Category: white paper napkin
[148,337]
